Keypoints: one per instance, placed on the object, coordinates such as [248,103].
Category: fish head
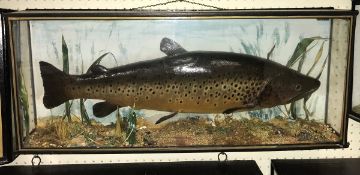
[287,87]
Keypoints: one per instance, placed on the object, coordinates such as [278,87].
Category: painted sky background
[136,40]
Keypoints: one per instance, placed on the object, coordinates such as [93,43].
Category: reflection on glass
[1,78]
[356,76]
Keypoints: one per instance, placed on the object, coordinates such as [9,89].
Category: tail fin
[54,81]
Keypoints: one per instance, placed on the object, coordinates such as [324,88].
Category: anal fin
[103,109]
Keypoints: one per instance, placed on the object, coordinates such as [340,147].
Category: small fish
[183,81]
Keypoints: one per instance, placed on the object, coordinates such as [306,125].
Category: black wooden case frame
[5,136]
[354,115]
[10,111]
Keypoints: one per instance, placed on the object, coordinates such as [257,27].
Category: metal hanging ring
[222,154]
[33,160]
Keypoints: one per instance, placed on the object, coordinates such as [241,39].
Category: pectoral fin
[170,47]
[103,109]
[166,117]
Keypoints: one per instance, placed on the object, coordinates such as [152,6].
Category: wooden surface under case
[159,168]
[316,167]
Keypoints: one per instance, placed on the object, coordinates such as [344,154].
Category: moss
[187,132]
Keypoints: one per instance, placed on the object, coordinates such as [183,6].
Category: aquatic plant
[24,101]
[130,117]
[299,56]
[65,56]
[61,130]
[98,60]
[83,113]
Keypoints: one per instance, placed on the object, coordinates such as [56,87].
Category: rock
[143,127]
[304,136]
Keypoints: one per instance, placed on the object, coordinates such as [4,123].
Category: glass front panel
[356,73]
[1,82]
[154,83]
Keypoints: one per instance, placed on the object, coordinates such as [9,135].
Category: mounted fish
[178,81]
[190,82]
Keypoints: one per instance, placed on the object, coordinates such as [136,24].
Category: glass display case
[355,113]
[140,81]
[1,78]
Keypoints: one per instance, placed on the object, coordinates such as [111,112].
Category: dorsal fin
[170,47]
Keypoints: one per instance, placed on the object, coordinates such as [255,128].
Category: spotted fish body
[194,82]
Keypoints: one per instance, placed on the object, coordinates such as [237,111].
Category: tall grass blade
[24,103]
[83,113]
[98,60]
[254,49]
[246,48]
[276,36]
[65,56]
[287,32]
[301,61]
[299,50]
[294,109]
[317,58]
[322,68]
[307,112]
[55,51]
[259,31]
[131,126]
[269,54]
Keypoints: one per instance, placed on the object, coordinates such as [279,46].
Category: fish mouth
[307,93]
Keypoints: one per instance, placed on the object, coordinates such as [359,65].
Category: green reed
[24,101]
[65,57]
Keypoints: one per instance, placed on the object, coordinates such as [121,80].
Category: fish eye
[298,87]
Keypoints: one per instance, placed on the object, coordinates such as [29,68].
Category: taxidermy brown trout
[190,82]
